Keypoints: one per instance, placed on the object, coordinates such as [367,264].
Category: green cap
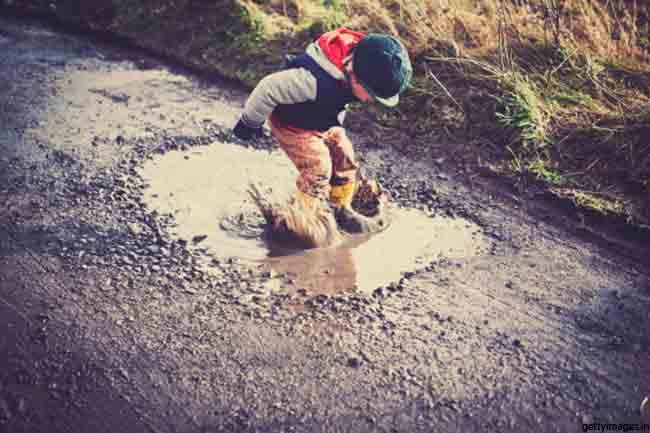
[382,65]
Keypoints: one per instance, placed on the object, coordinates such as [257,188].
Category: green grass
[522,111]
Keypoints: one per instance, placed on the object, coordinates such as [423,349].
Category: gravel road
[119,316]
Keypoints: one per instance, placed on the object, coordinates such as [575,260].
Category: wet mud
[206,193]
[126,227]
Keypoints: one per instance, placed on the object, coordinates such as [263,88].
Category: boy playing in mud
[306,104]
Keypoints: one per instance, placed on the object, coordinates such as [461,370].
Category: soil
[117,316]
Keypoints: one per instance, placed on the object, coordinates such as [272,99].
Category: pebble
[354,362]
[268,274]
[199,238]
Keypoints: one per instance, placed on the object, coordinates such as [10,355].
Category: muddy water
[206,192]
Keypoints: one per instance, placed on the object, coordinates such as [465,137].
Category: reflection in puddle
[364,263]
[205,190]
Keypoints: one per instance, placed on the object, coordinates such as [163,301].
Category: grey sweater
[291,86]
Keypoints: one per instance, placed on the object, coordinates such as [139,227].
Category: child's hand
[245,132]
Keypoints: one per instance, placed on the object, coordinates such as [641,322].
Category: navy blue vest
[331,97]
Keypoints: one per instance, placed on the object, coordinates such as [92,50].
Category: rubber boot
[341,195]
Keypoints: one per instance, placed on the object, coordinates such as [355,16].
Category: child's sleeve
[291,86]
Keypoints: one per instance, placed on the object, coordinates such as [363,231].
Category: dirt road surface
[138,295]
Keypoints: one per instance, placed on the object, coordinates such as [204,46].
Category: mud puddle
[205,190]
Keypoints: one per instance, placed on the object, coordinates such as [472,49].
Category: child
[306,105]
